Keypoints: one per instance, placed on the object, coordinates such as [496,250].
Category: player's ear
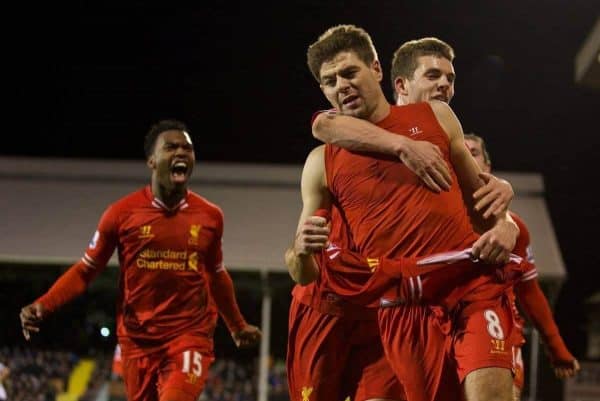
[151,162]
[400,86]
[376,67]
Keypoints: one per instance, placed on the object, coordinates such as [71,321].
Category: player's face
[350,85]
[173,159]
[433,79]
[477,153]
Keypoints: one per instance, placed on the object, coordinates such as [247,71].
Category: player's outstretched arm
[31,317]
[535,305]
[355,134]
[221,287]
[76,279]
[69,286]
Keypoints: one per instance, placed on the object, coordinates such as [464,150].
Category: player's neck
[402,101]
[381,111]
[171,197]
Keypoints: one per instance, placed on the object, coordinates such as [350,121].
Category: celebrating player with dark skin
[172,283]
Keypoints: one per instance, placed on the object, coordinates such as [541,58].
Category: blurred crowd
[40,375]
[36,375]
[231,380]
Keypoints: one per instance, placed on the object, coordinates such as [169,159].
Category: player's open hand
[425,160]
[494,197]
[247,337]
[31,318]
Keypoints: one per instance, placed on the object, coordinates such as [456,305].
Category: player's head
[476,146]
[169,153]
[344,62]
[422,70]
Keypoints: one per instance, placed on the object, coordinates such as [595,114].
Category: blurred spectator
[100,377]
[4,372]
[117,386]
[231,380]
[36,375]
[278,387]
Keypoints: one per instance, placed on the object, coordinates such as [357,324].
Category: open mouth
[351,101]
[179,171]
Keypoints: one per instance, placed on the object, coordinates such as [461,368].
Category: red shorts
[415,340]
[484,336]
[331,358]
[432,356]
[177,371]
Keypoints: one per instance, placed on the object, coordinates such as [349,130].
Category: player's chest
[181,231]
[365,179]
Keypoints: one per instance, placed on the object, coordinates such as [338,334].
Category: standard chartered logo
[163,253]
[162,259]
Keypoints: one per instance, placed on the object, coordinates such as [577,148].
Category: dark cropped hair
[337,39]
[405,60]
[157,129]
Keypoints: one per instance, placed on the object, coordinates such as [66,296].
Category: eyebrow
[341,72]
[174,143]
[437,70]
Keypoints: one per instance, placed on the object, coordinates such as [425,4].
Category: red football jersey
[164,256]
[389,210]
[391,213]
[523,248]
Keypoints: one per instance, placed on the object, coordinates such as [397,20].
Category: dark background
[87,80]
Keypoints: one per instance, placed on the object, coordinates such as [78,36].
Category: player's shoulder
[318,150]
[316,157]
[141,196]
[316,153]
[410,107]
[439,108]
[198,201]
[433,107]
[127,202]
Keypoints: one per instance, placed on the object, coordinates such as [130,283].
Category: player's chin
[354,110]
[179,183]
